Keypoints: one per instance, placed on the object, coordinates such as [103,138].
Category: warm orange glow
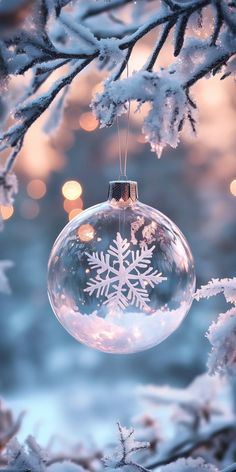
[71,190]
[86,232]
[70,205]
[73,213]
[233,187]
[88,122]
[98,88]
[141,139]
[29,209]
[36,188]
[6,212]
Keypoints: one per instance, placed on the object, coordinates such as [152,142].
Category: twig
[205,69]
[161,41]
[159,20]
[188,446]
[103,7]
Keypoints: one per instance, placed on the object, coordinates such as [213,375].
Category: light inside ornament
[121,274]
[86,232]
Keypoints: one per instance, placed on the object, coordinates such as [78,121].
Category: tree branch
[190,445]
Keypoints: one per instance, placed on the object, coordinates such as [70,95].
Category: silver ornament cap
[123,191]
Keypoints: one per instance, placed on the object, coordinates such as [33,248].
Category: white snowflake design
[120,277]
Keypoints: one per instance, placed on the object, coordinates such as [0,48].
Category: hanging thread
[123,158]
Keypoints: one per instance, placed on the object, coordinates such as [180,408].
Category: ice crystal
[28,458]
[120,277]
[127,446]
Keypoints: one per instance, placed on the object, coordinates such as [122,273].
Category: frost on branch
[110,53]
[53,36]
[222,332]
[29,457]
[8,188]
[195,406]
[8,426]
[189,465]
[123,454]
[170,105]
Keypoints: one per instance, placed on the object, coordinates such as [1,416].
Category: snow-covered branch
[123,454]
[52,37]
[186,449]
[222,332]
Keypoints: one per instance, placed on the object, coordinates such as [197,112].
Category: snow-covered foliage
[192,416]
[8,426]
[51,37]
[123,454]
[188,465]
[27,457]
[8,187]
[196,404]
[222,332]
[187,449]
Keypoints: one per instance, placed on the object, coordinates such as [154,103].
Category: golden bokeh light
[70,205]
[232,187]
[29,209]
[71,190]
[88,122]
[86,232]
[6,212]
[73,213]
[36,189]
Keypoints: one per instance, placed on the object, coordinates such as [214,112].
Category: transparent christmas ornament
[121,274]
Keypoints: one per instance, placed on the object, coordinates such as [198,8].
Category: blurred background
[66,387]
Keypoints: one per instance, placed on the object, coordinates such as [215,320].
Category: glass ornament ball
[121,274]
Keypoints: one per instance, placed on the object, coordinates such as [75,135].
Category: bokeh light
[36,189]
[233,187]
[71,190]
[73,213]
[29,209]
[88,122]
[70,205]
[86,232]
[6,212]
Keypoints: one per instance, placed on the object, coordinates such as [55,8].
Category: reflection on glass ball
[121,274]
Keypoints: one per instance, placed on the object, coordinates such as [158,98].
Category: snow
[189,465]
[222,332]
[117,333]
[222,336]
[169,105]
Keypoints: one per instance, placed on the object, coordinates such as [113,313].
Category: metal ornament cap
[123,192]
